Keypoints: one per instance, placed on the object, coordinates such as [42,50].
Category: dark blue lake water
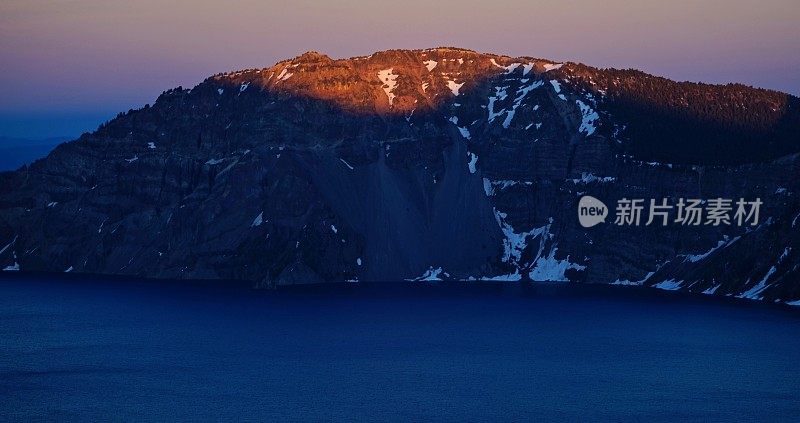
[72,349]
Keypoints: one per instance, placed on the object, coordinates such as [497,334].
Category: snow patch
[432,275]
[14,267]
[587,178]
[551,269]
[694,258]
[522,92]
[8,245]
[514,243]
[500,94]
[151,145]
[258,220]
[462,129]
[509,69]
[552,66]
[473,159]
[346,164]
[753,293]
[509,116]
[637,283]
[505,183]
[511,277]
[490,187]
[669,285]
[430,64]
[557,87]
[333,228]
[526,69]
[454,87]
[389,79]
[625,282]
[487,187]
[588,118]
[284,75]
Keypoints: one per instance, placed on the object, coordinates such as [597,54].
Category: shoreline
[407,289]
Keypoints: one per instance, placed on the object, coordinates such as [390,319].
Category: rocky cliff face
[441,163]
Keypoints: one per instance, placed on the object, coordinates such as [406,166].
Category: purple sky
[67,65]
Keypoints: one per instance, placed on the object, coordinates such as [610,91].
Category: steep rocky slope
[441,163]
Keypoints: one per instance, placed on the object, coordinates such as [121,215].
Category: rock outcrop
[441,163]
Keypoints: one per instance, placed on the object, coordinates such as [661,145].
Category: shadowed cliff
[442,163]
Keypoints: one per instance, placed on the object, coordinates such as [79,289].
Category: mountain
[420,164]
[16,152]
